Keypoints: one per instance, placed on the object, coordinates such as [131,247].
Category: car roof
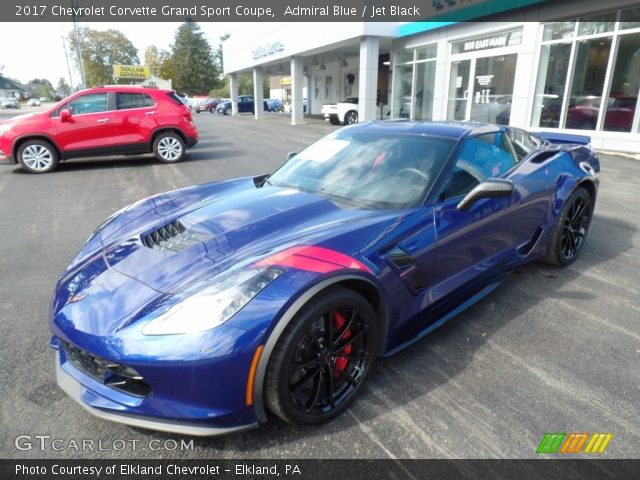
[454,130]
[128,88]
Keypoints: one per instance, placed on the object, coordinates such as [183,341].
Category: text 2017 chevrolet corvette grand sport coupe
[203,309]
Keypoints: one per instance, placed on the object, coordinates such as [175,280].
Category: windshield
[367,169]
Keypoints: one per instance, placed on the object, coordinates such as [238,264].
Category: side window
[90,103]
[133,100]
[481,157]
[523,143]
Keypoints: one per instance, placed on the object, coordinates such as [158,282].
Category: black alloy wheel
[570,230]
[350,117]
[574,227]
[322,358]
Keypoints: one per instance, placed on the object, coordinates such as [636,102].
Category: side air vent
[174,237]
[408,268]
[544,156]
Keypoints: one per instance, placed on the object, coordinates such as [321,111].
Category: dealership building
[570,66]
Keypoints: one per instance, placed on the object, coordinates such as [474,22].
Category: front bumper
[84,395]
[6,159]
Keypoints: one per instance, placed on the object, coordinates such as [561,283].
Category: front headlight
[213,305]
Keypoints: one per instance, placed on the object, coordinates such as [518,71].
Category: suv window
[90,103]
[133,100]
[481,157]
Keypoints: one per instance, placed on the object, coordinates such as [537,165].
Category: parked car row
[245,105]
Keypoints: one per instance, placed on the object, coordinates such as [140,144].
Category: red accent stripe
[313,259]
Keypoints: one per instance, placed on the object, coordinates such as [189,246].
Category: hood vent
[174,237]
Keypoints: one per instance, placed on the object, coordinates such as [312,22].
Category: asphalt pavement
[552,350]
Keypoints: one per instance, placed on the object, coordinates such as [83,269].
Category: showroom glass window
[589,73]
[414,79]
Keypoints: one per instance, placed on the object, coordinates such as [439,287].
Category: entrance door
[459,90]
[481,89]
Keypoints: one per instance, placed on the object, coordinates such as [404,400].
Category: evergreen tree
[196,72]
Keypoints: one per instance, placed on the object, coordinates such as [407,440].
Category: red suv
[110,120]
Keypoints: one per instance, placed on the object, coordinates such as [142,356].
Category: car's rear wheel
[570,230]
[351,117]
[168,147]
[322,358]
[37,156]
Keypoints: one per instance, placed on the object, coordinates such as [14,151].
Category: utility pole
[66,56]
[74,5]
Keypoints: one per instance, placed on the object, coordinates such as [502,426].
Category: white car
[33,102]
[345,112]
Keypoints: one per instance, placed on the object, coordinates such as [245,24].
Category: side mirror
[290,155]
[65,115]
[490,188]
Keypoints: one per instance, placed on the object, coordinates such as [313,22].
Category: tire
[168,147]
[306,382]
[570,229]
[351,117]
[334,121]
[227,111]
[38,156]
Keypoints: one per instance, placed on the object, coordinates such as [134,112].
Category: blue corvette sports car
[207,309]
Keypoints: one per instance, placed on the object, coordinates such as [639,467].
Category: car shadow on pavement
[105,164]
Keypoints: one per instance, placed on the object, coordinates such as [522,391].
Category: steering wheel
[415,172]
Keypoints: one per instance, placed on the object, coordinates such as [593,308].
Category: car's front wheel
[227,111]
[570,230]
[168,147]
[37,156]
[322,358]
[351,117]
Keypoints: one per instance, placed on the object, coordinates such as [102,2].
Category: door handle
[150,113]
[103,120]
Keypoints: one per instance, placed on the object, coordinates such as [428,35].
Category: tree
[101,50]
[218,55]
[63,90]
[160,62]
[195,70]
[40,87]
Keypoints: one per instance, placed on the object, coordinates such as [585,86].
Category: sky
[35,50]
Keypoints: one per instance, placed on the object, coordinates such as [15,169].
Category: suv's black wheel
[350,117]
[168,147]
[570,230]
[37,156]
[322,358]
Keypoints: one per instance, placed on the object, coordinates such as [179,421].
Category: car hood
[167,247]
[18,119]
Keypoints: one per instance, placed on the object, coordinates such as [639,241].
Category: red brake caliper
[341,362]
